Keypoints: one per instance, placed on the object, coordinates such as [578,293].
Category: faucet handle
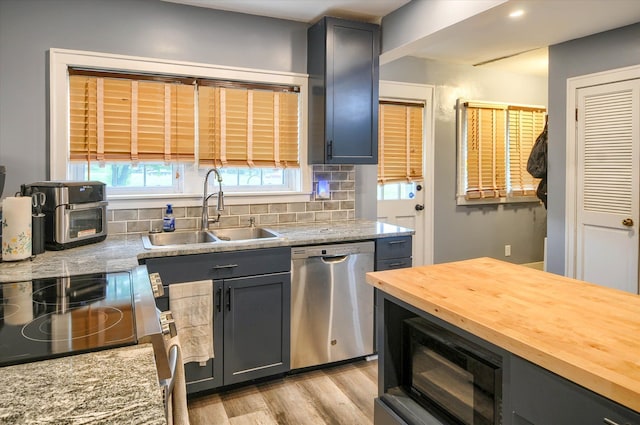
[252,222]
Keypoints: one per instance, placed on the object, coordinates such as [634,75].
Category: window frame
[61,59]
[461,145]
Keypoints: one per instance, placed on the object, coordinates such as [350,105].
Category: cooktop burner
[45,318]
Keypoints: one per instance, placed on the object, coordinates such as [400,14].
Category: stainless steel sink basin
[162,240]
[244,233]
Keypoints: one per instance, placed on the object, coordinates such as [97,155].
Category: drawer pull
[398,264]
[608,421]
[396,242]
[225,266]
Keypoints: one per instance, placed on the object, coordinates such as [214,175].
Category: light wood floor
[341,395]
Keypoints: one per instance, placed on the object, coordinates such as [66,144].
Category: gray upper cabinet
[342,62]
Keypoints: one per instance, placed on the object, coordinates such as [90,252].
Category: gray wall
[600,52]
[152,28]
[462,232]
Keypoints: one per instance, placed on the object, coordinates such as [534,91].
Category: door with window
[607,213]
[405,163]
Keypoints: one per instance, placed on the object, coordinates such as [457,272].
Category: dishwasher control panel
[333,250]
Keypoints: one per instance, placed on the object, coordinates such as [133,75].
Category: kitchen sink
[162,240]
[244,233]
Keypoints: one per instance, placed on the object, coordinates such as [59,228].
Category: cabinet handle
[219,300]
[397,242]
[224,266]
[229,299]
[609,421]
[330,149]
[399,264]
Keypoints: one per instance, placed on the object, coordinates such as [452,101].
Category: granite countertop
[117,386]
[586,333]
[122,252]
[120,386]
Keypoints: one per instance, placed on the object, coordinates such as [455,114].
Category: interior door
[607,184]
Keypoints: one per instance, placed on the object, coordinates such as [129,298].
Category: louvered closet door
[608,195]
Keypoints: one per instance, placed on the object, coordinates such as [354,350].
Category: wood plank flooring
[340,395]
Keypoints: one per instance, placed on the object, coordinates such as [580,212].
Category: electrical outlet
[507,250]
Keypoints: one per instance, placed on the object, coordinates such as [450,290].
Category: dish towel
[191,304]
[177,412]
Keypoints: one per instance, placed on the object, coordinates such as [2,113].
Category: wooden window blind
[248,127]
[486,151]
[499,139]
[400,129]
[525,125]
[124,117]
[113,119]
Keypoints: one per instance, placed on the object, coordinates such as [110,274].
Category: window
[494,142]
[400,135]
[151,127]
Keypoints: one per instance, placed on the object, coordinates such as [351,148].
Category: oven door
[451,377]
[81,221]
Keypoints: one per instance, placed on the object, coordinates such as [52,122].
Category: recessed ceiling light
[516,13]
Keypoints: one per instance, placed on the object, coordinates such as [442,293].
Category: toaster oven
[75,212]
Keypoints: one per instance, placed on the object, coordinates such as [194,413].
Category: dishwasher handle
[333,259]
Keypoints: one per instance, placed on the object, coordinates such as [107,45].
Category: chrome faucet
[205,200]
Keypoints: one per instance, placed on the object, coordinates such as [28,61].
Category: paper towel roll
[16,228]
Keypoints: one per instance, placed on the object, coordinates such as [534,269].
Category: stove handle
[169,384]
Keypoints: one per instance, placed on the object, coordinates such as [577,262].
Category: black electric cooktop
[53,317]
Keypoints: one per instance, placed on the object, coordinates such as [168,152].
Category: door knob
[419,207]
[627,222]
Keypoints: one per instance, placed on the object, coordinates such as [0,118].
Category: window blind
[485,151]
[153,118]
[248,127]
[499,139]
[400,129]
[525,124]
[114,119]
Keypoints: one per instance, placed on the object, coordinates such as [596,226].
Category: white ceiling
[486,36]
[305,10]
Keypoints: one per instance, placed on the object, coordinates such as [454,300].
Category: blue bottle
[168,222]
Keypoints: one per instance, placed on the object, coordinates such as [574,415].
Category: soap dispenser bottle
[169,221]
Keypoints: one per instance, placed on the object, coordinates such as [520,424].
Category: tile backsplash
[340,206]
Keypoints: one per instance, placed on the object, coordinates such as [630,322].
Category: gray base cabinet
[393,253]
[564,402]
[531,395]
[251,319]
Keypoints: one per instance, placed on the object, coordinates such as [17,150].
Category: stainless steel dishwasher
[331,304]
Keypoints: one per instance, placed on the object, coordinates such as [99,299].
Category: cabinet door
[256,327]
[352,93]
[199,377]
[342,62]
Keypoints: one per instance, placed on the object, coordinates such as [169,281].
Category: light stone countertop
[116,386]
[122,252]
[120,386]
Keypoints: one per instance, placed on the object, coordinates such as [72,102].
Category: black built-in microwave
[454,379]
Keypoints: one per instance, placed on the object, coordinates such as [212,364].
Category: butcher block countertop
[586,333]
